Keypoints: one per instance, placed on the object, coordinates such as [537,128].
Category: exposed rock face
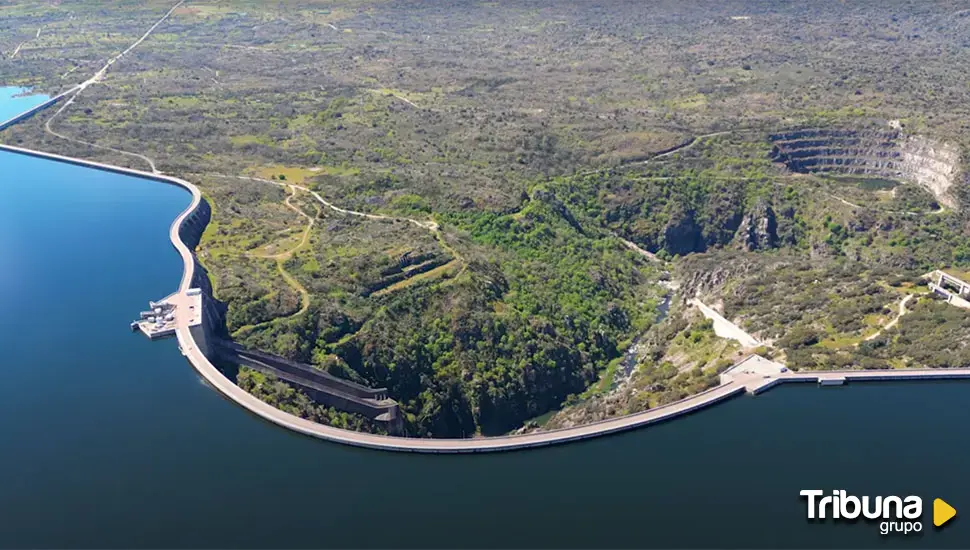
[758,230]
[931,164]
[682,235]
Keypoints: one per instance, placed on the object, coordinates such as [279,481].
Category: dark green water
[108,440]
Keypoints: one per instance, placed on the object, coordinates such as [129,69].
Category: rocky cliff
[758,229]
[932,164]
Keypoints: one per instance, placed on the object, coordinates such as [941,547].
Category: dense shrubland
[516,127]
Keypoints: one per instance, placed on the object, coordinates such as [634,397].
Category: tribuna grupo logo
[895,514]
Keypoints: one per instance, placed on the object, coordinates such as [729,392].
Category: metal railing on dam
[193,351]
[840,376]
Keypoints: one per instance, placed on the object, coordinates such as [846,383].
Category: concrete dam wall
[214,311]
[931,164]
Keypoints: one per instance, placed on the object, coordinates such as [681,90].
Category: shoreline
[214,378]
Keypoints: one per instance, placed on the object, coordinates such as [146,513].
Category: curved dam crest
[126,447]
[192,339]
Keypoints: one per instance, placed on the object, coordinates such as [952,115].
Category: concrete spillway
[344,395]
[931,164]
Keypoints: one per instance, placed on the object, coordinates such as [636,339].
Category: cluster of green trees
[512,338]
[696,201]
[699,357]
[549,298]
[678,358]
[542,307]
[820,306]
[934,334]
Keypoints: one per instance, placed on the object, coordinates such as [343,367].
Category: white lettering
[914,507]
[821,506]
[874,513]
[851,507]
[888,502]
[848,502]
[811,494]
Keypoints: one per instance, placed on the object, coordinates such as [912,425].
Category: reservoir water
[15,100]
[109,440]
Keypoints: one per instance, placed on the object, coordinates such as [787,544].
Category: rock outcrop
[682,234]
[758,229]
[931,164]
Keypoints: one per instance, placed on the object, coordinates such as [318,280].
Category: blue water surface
[109,440]
[15,100]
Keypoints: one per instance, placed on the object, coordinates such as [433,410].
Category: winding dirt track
[190,348]
[97,78]
[213,376]
[895,320]
[280,258]
[429,225]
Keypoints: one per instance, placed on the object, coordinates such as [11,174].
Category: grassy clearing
[290,174]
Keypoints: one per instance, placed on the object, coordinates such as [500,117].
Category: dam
[35,109]
[197,345]
[157,459]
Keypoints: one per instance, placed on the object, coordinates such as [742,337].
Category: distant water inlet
[15,101]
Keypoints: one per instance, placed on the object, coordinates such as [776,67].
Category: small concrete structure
[322,387]
[954,290]
[160,320]
[752,371]
[946,280]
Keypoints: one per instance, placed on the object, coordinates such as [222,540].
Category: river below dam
[109,440]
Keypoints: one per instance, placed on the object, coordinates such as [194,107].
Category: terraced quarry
[932,164]
[486,210]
